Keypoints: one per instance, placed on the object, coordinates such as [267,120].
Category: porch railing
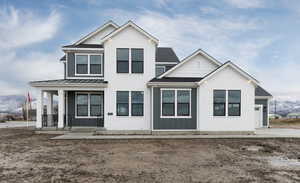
[49,120]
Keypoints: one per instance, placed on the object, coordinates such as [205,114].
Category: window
[219,102]
[82,105]
[96,101]
[137,103]
[122,60]
[122,103]
[159,70]
[175,102]
[95,64]
[234,102]
[89,105]
[168,102]
[137,60]
[183,103]
[81,64]
[88,64]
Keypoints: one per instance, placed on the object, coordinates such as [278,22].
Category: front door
[258,109]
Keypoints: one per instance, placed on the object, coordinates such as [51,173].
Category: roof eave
[172,84]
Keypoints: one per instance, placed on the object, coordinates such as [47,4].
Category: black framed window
[96,102]
[137,103]
[122,60]
[159,70]
[81,64]
[183,102]
[234,102]
[137,60]
[122,103]
[219,102]
[168,102]
[82,104]
[95,64]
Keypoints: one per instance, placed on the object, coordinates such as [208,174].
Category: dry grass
[285,123]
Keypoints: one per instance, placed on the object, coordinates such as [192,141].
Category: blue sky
[261,36]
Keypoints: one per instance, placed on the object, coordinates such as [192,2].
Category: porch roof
[69,82]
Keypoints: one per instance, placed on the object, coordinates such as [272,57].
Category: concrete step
[86,129]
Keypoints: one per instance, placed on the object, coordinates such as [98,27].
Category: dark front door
[86,109]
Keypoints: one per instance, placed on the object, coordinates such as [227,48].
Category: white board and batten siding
[198,66]
[97,38]
[226,79]
[128,38]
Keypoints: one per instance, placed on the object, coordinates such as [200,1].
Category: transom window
[89,64]
[130,103]
[175,102]
[89,105]
[127,57]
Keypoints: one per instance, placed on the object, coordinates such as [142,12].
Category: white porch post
[50,108]
[61,108]
[39,109]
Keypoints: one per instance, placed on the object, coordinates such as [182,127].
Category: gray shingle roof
[69,82]
[164,54]
[63,58]
[175,79]
[259,91]
[84,46]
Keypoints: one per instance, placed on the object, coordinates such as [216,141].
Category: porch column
[50,108]
[61,108]
[39,109]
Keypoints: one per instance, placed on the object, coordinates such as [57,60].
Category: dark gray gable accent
[174,123]
[164,54]
[259,91]
[175,79]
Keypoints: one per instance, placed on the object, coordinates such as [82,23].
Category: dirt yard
[26,157]
[285,123]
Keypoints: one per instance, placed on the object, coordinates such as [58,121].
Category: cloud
[243,4]
[21,29]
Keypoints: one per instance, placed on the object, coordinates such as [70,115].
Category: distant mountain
[11,103]
[283,107]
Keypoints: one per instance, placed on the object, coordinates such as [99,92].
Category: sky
[260,36]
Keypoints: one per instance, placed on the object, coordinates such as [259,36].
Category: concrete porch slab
[260,133]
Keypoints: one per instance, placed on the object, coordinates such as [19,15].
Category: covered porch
[66,116]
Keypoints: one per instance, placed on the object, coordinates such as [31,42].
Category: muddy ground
[27,157]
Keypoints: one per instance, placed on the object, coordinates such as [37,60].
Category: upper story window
[89,64]
[133,57]
[159,70]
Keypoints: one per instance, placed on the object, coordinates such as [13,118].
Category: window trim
[225,103]
[137,103]
[175,112]
[130,61]
[89,105]
[129,96]
[129,58]
[89,64]
[240,104]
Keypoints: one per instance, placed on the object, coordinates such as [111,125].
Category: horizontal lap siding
[174,123]
[78,121]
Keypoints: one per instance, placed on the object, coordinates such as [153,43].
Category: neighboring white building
[119,79]
[275,116]
[293,115]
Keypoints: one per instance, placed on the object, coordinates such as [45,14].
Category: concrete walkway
[15,124]
[260,133]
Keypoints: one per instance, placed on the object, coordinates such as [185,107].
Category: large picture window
[137,103]
[175,103]
[137,60]
[88,64]
[89,105]
[234,102]
[122,103]
[219,102]
[122,60]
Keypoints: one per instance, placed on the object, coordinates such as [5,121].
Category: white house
[118,79]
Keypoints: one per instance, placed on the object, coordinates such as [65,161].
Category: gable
[197,66]
[97,38]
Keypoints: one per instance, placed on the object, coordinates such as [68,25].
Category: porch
[80,103]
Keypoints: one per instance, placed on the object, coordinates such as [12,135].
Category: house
[274,116]
[118,79]
[293,115]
